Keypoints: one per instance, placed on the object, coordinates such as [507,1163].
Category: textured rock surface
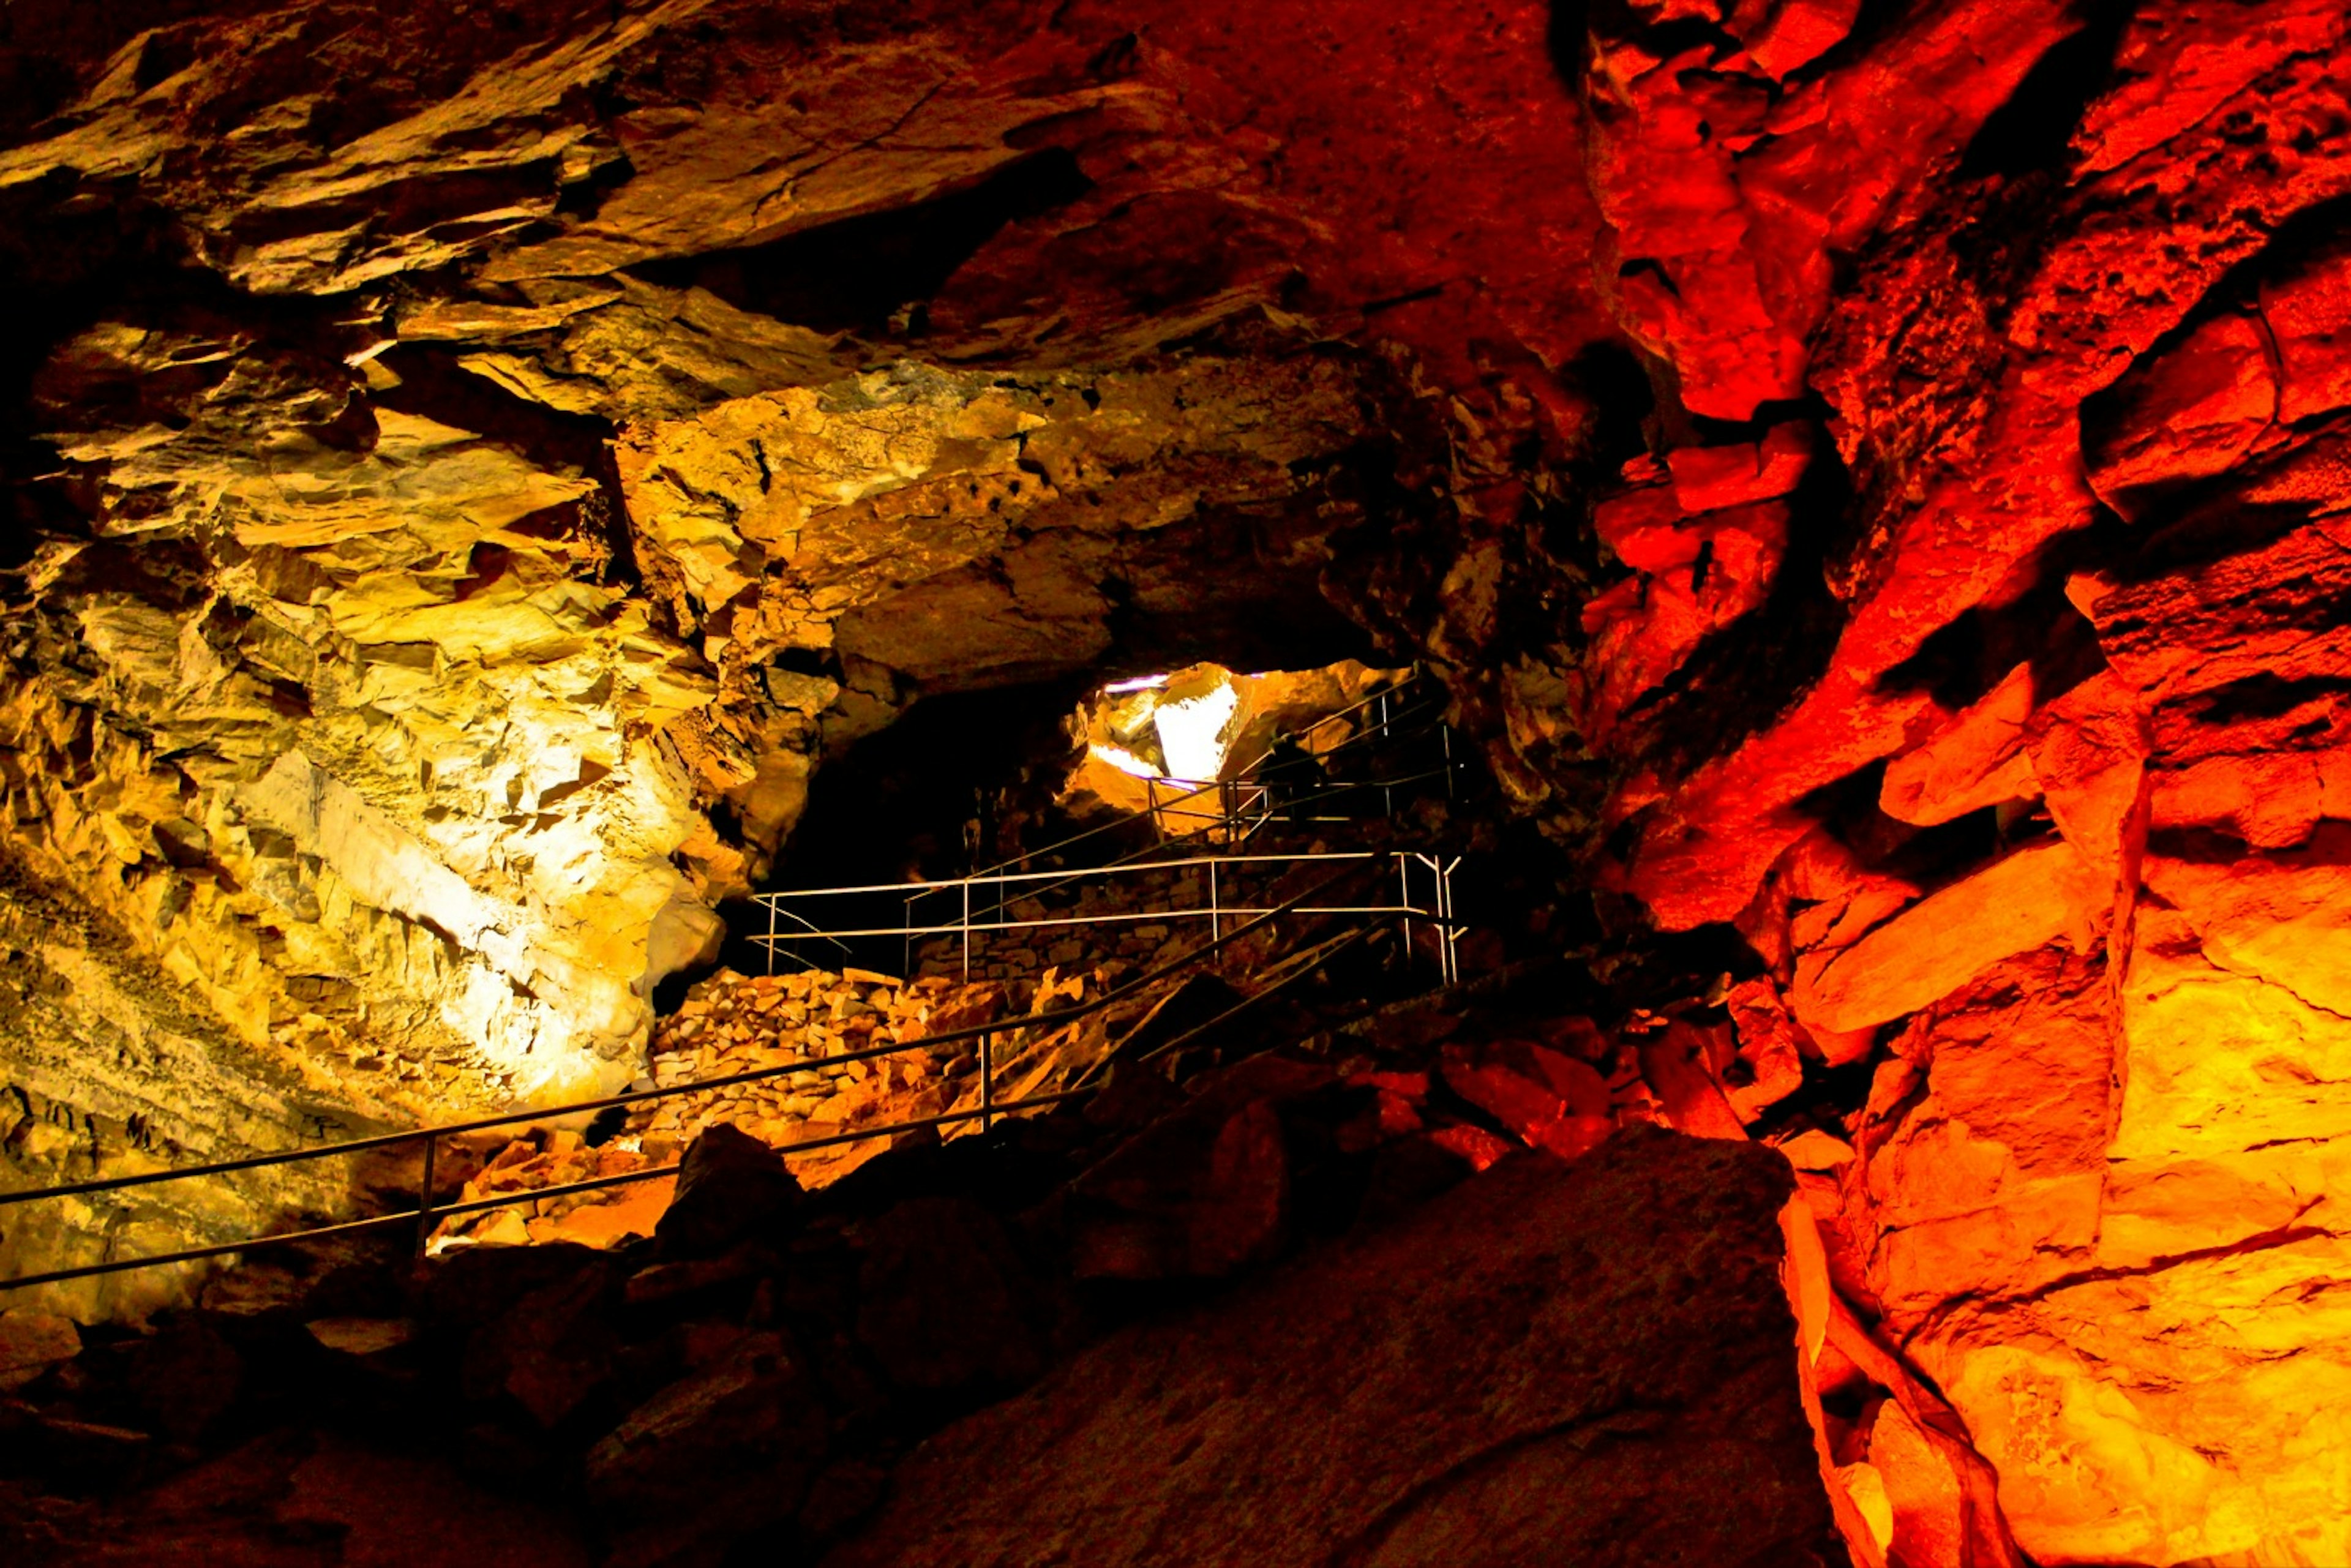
[1487,1382]
[1871,480]
[111,1071]
[425,620]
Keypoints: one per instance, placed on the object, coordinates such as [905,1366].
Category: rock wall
[451,529]
[111,1072]
[1961,632]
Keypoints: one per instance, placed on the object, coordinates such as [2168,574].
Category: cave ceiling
[1872,478]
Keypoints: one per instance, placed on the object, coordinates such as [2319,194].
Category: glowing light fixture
[1191,732]
[1140,683]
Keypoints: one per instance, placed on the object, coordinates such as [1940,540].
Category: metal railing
[984,904]
[427,1212]
[1241,806]
[1257,794]
[1294,809]
[1393,716]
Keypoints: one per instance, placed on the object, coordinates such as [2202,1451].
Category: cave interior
[1491,782]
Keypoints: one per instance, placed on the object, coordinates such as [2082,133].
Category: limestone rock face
[456,459]
[1483,1382]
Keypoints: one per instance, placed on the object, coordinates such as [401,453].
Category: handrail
[775,910]
[1137,861]
[1322,954]
[1298,965]
[426,1209]
[1387,725]
[1113,867]
[532,1194]
[1143,858]
[1412,678]
[633,1096]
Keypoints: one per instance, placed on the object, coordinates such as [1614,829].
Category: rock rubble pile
[820,1022]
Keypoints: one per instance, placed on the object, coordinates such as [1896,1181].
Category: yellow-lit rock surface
[1125,765]
[460,604]
[2119,1250]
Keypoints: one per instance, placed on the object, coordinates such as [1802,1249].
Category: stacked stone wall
[1124,922]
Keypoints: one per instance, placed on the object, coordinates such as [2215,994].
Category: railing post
[1387,791]
[771,903]
[966,930]
[987,1081]
[1216,920]
[1404,903]
[1444,899]
[424,1194]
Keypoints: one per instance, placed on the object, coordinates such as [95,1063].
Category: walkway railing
[427,1212]
[982,906]
[1393,717]
[1227,812]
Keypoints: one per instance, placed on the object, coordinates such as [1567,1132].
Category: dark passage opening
[853,275]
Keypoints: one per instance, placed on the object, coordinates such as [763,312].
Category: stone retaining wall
[1112,937]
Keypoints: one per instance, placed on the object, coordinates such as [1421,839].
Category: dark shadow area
[68,252]
[853,275]
[1713,431]
[1744,675]
[1246,596]
[903,798]
[52,51]
[433,385]
[1829,1097]
[1960,662]
[1612,377]
[1241,589]
[1567,37]
[2028,133]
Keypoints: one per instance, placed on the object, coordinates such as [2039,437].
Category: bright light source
[1140,683]
[1124,760]
[1191,732]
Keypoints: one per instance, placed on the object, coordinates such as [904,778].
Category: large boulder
[943,1300]
[1590,1364]
[730,1187]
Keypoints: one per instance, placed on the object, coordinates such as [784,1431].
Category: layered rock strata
[2030,814]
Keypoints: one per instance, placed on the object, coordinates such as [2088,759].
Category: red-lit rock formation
[2038,796]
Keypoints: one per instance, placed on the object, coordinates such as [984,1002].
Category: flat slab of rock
[1588,1363]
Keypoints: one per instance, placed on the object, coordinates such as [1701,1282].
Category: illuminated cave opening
[1065,774]
[1156,744]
